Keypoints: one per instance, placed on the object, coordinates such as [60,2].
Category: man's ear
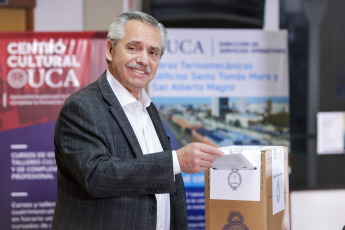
[109,51]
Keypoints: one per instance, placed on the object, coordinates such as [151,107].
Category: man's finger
[211,150]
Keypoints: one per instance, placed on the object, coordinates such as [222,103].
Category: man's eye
[153,53]
[131,48]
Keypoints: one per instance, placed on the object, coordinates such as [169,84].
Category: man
[116,169]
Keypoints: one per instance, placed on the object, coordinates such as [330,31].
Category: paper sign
[330,132]
[278,180]
[237,184]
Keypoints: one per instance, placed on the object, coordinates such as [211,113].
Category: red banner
[38,71]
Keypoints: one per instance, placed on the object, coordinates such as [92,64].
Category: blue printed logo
[235,222]
[185,46]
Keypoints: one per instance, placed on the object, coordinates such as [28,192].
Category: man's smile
[140,69]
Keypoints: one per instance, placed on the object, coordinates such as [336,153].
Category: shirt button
[152,210]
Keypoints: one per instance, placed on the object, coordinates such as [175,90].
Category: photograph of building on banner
[224,121]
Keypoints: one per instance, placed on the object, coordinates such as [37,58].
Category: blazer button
[152,210]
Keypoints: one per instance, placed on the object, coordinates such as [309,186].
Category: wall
[76,15]
[99,14]
[62,15]
[317,210]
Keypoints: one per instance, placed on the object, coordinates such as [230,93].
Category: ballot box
[248,189]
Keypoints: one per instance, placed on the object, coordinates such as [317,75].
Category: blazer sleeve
[92,151]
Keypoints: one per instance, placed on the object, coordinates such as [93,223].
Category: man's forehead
[133,29]
[136,21]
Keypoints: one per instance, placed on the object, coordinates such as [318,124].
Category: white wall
[75,15]
[61,15]
[317,210]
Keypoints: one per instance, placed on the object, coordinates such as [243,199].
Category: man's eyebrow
[139,42]
[155,48]
[133,42]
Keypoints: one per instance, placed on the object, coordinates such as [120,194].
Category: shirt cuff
[176,164]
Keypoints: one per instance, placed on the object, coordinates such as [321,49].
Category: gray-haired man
[116,169]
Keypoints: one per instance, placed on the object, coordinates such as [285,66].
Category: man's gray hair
[116,30]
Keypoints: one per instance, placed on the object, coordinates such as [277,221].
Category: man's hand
[197,157]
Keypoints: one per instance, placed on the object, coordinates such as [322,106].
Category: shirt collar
[123,95]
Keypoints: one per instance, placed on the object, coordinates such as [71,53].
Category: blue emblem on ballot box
[235,222]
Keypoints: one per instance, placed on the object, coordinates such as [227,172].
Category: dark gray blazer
[104,180]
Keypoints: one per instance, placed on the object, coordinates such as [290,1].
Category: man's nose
[143,58]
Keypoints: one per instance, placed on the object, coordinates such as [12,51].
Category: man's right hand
[197,157]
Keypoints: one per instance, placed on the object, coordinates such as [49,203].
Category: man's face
[135,58]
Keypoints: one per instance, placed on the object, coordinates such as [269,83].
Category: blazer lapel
[153,112]
[118,113]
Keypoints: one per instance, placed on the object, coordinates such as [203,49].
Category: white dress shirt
[146,134]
